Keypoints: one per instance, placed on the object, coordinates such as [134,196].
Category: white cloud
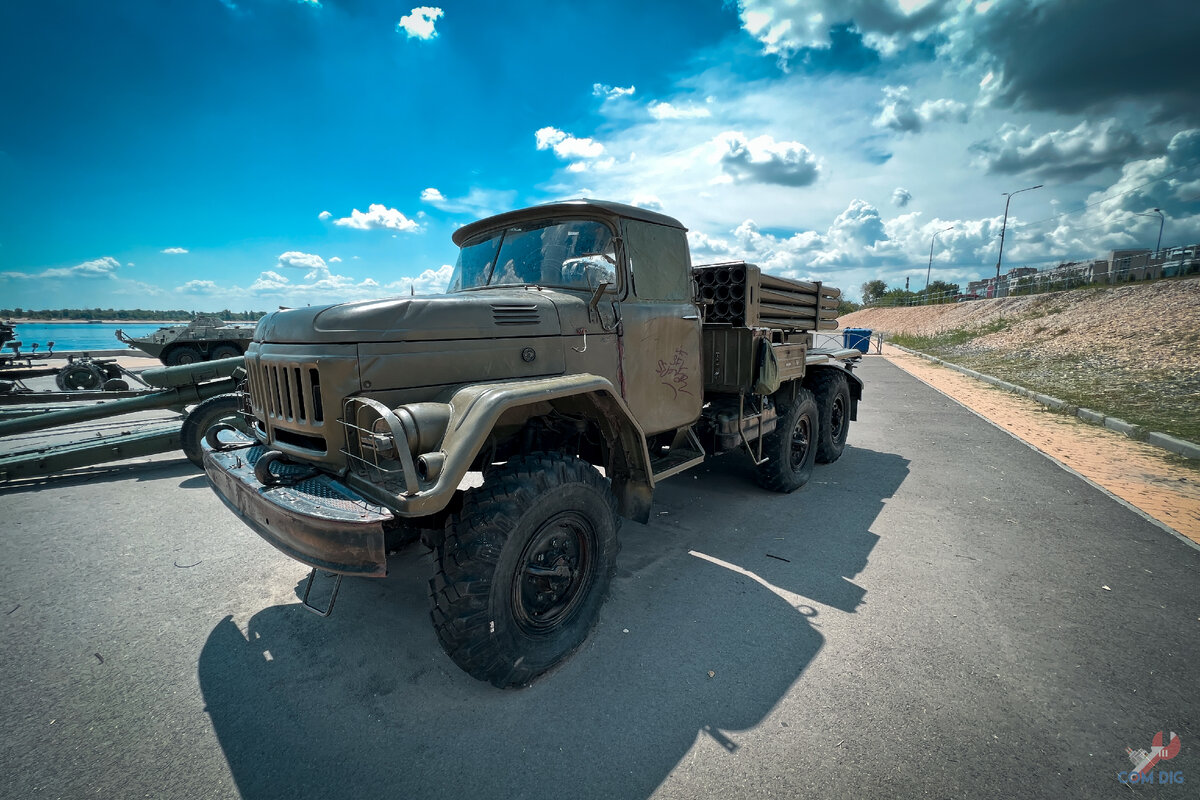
[324,215]
[477,202]
[294,259]
[96,268]
[431,281]
[664,110]
[611,92]
[198,287]
[901,197]
[647,201]
[270,282]
[764,160]
[897,111]
[378,216]
[335,260]
[943,110]
[1073,154]
[419,24]
[600,165]
[786,27]
[566,146]
[174,251]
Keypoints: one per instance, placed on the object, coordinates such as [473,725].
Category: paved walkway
[944,612]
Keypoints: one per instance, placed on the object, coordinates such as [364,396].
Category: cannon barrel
[178,396]
[185,374]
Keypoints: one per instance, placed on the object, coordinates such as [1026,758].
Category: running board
[685,452]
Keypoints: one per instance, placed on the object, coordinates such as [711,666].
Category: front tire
[791,448]
[524,567]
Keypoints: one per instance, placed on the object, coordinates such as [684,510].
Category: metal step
[685,452]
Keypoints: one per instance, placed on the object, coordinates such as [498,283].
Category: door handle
[690,316]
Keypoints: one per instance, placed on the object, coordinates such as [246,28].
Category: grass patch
[948,340]
[1157,399]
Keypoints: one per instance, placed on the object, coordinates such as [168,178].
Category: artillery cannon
[207,387]
[16,368]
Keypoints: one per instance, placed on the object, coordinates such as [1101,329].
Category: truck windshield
[576,254]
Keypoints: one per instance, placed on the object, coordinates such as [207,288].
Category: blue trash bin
[857,338]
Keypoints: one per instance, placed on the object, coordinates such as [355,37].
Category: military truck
[206,337]
[576,360]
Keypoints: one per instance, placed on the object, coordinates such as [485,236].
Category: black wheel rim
[82,378]
[801,441]
[837,419]
[555,573]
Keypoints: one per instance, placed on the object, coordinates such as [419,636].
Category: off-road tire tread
[470,551]
[823,385]
[771,475]
[173,356]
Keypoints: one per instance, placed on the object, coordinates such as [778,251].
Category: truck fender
[475,410]
[853,381]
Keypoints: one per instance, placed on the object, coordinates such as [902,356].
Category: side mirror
[596,295]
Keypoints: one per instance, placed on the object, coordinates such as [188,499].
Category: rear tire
[225,351]
[524,567]
[183,354]
[222,408]
[791,448]
[832,393]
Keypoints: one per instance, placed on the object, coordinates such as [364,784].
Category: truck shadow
[702,635]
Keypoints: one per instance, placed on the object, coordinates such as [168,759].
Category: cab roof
[565,208]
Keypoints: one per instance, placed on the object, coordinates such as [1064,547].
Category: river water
[76,336]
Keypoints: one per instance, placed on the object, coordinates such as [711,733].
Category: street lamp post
[930,267]
[1003,227]
[1161,219]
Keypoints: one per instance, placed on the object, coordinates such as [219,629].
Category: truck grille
[286,392]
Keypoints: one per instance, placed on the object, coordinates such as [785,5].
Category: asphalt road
[942,613]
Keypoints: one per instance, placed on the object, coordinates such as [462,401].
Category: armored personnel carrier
[205,338]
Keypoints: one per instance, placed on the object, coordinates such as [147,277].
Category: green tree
[872,291]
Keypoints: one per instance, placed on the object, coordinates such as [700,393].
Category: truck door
[660,329]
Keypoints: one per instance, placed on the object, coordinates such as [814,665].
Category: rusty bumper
[315,519]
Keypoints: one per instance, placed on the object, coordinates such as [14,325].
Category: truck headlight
[385,444]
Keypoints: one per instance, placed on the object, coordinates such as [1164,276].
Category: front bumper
[315,519]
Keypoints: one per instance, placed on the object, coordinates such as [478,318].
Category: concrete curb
[1137,432]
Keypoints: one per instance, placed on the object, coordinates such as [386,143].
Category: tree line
[124,314]
[878,293]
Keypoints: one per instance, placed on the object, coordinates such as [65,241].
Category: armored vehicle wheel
[183,354]
[225,351]
[833,402]
[80,376]
[791,448]
[524,568]
[116,385]
[222,408]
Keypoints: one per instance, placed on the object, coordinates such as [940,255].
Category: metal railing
[1173,263]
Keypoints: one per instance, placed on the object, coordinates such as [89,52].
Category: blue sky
[250,153]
